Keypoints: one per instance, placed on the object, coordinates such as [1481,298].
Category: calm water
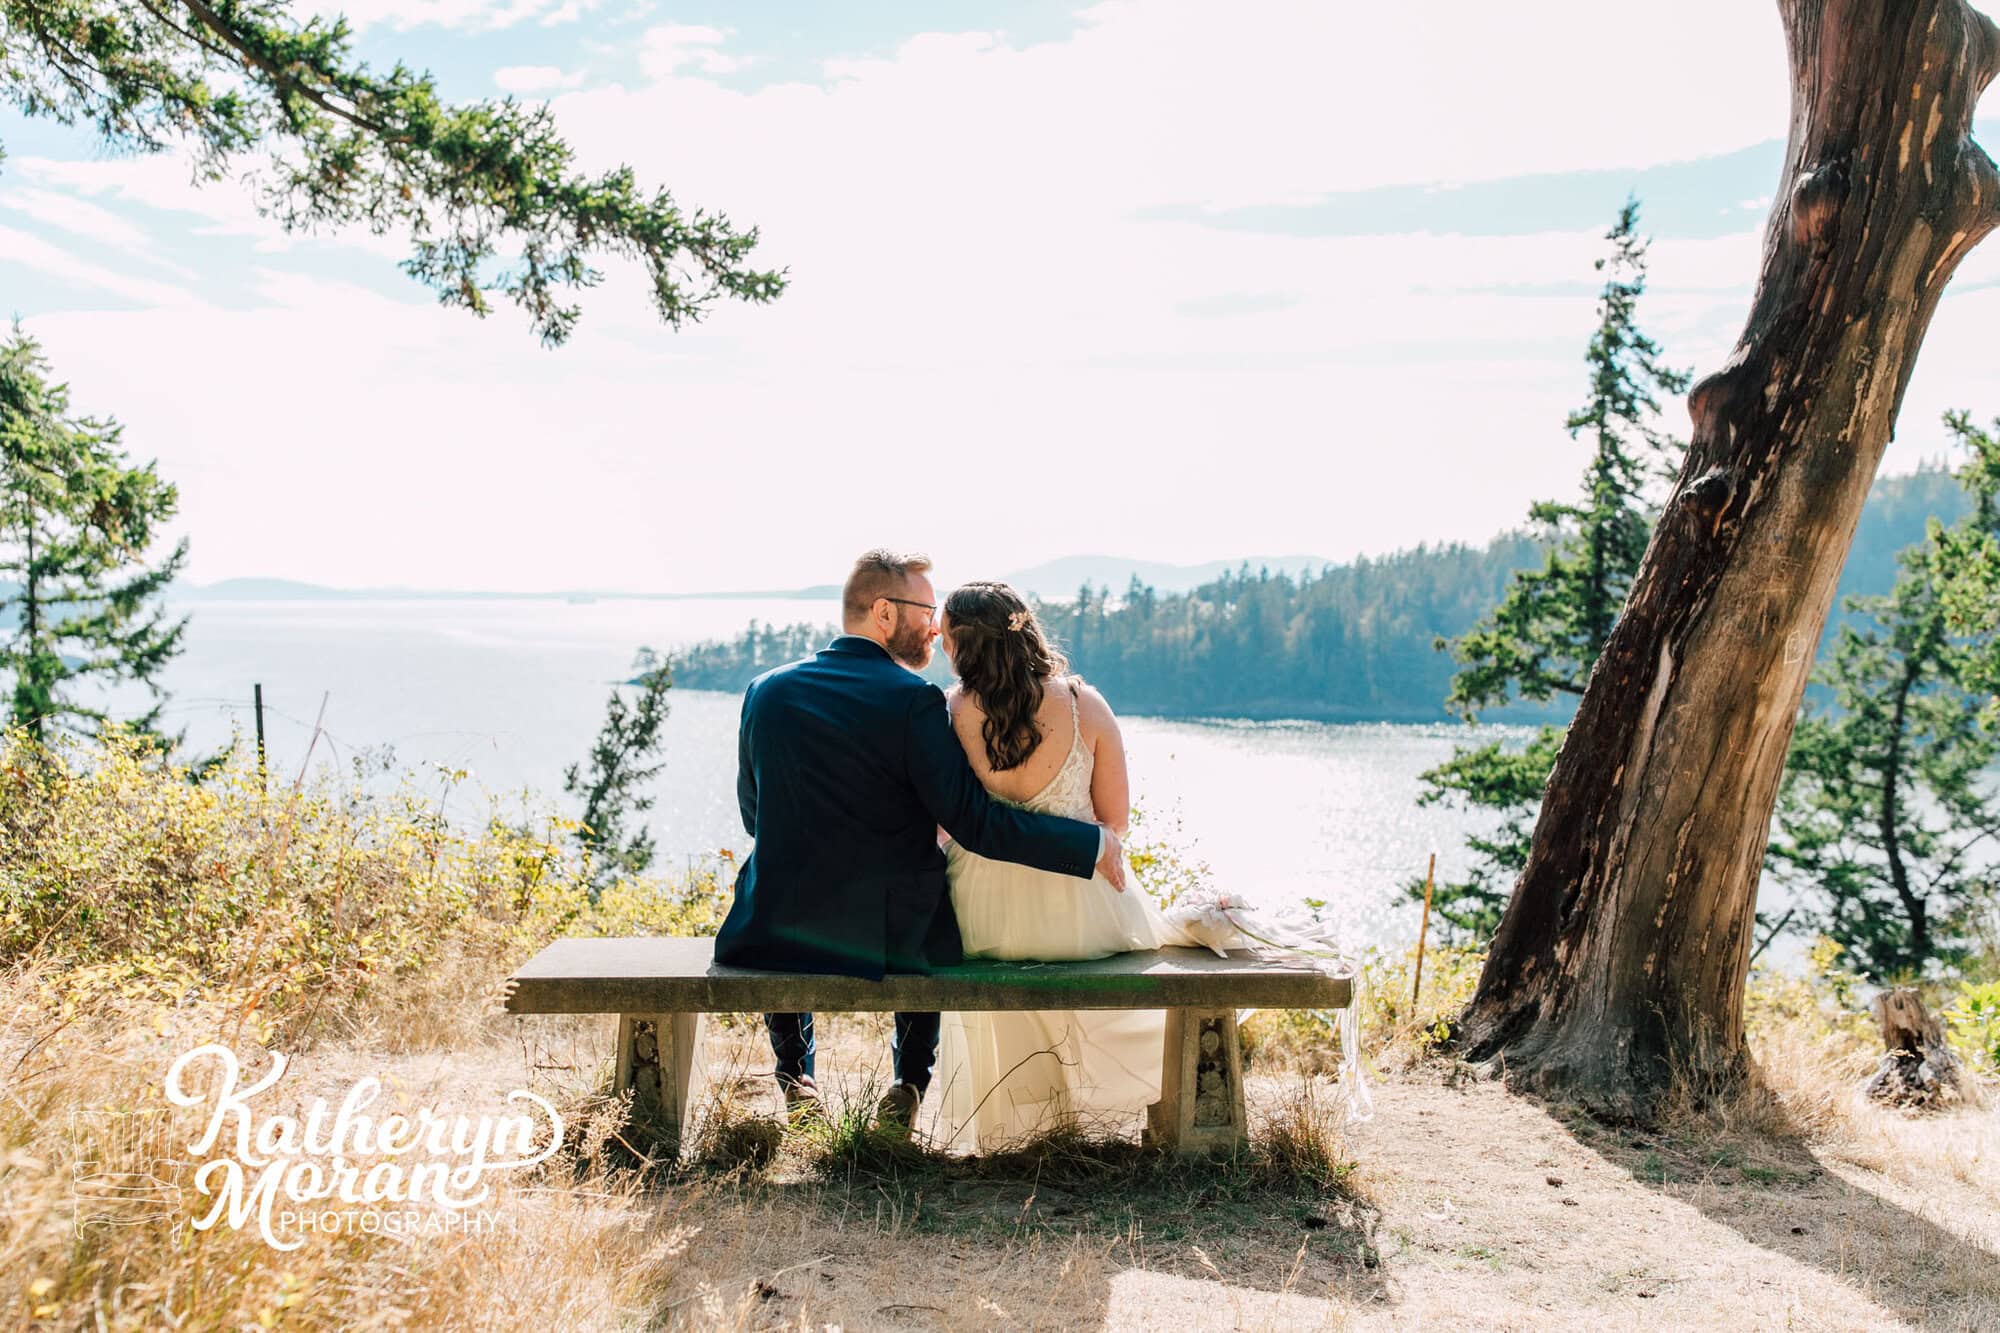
[513,691]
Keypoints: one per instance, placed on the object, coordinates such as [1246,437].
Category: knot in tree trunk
[1709,494]
[1817,196]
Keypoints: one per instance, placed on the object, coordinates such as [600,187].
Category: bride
[1040,738]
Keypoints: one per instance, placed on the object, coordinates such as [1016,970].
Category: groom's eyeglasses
[928,608]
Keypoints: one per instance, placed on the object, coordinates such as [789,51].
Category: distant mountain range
[1894,516]
[293,590]
[1051,580]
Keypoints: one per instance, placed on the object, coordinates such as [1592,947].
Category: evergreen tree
[1541,641]
[1965,560]
[1086,617]
[82,605]
[731,664]
[623,760]
[1883,808]
[1494,777]
[1880,808]
[1140,599]
[487,191]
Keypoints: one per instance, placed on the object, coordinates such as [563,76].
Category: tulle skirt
[1005,1077]
[1018,912]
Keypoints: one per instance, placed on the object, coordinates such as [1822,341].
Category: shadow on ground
[1778,1191]
[833,1221]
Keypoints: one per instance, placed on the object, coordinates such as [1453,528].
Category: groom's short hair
[879,573]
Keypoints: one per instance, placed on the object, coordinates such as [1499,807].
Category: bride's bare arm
[966,717]
[955,703]
[1110,786]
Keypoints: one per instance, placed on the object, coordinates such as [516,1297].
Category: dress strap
[1075,718]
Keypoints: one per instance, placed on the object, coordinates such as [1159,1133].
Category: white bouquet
[1222,921]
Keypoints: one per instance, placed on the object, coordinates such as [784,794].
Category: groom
[847,766]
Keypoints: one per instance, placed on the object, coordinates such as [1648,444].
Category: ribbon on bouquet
[1221,923]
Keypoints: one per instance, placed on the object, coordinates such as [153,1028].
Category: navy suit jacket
[847,764]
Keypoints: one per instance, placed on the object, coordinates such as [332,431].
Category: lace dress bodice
[1068,792]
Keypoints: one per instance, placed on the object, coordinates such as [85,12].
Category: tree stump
[1918,1068]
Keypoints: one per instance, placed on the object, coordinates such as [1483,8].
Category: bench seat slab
[661,987]
[661,975]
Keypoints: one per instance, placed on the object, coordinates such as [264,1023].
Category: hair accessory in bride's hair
[1018,619]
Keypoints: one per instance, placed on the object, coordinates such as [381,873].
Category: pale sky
[1174,281]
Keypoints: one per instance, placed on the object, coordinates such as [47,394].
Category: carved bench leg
[660,1060]
[1201,1085]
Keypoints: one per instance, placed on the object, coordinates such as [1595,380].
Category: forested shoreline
[1353,643]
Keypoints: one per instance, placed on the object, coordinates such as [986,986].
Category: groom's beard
[911,644]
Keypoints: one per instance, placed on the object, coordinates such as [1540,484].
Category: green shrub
[1973,1020]
[119,876]
[1160,856]
[1823,999]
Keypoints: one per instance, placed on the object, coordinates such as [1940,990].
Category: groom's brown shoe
[896,1113]
[802,1101]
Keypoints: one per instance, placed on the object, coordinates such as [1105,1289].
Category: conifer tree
[487,192]
[1964,560]
[83,609]
[1881,810]
[1616,978]
[1540,642]
[1884,812]
[623,759]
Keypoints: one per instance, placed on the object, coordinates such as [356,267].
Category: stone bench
[661,987]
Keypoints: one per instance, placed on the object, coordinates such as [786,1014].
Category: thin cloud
[35,255]
[534,78]
[669,49]
[978,284]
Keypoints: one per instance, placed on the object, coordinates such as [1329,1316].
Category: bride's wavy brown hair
[1003,657]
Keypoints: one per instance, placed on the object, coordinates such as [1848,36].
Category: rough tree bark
[1620,963]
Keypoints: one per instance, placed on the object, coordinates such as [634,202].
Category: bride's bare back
[1058,725]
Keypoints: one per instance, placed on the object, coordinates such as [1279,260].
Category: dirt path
[1499,1213]
[1472,1209]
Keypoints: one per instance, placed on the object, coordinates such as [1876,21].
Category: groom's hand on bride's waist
[1110,857]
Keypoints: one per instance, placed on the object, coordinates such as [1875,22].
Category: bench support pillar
[660,1061]
[1201,1085]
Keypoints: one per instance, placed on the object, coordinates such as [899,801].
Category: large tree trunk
[1620,964]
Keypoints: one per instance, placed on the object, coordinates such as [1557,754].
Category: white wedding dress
[1004,1077]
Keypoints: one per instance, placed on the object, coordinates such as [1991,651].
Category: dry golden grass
[1799,1205]
[142,919]
[83,1121]
[824,1229]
